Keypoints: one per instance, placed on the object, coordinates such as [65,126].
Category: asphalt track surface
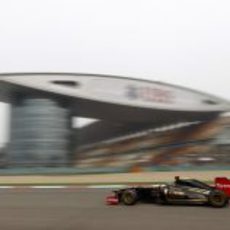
[83,209]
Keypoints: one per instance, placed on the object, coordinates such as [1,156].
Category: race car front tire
[129,197]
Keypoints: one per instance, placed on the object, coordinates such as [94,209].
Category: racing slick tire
[129,197]
[217,199]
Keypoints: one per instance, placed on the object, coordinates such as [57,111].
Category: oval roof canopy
[120,98]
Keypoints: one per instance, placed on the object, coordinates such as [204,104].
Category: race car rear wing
[223,183]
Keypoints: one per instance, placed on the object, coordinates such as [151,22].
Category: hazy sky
[183,42]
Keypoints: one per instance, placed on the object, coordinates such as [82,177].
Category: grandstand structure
[139,124]
[183,145]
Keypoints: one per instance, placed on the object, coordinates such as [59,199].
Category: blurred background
[129,125]
[185,44]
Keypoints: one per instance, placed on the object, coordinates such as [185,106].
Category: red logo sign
[150,94]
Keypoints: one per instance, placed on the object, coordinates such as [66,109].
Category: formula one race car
[182,191]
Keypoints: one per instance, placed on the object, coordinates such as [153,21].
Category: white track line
[7,187]
[63,186]
[48,186]
[107,186]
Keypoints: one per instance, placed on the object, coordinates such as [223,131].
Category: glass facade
[39,133]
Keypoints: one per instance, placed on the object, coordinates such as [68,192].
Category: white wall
[4,123]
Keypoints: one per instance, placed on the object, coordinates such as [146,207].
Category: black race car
[182,191]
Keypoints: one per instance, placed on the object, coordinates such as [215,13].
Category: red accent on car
[223,183]
[112,200]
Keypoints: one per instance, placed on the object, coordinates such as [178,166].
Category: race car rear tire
[218,199]
[129,197]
